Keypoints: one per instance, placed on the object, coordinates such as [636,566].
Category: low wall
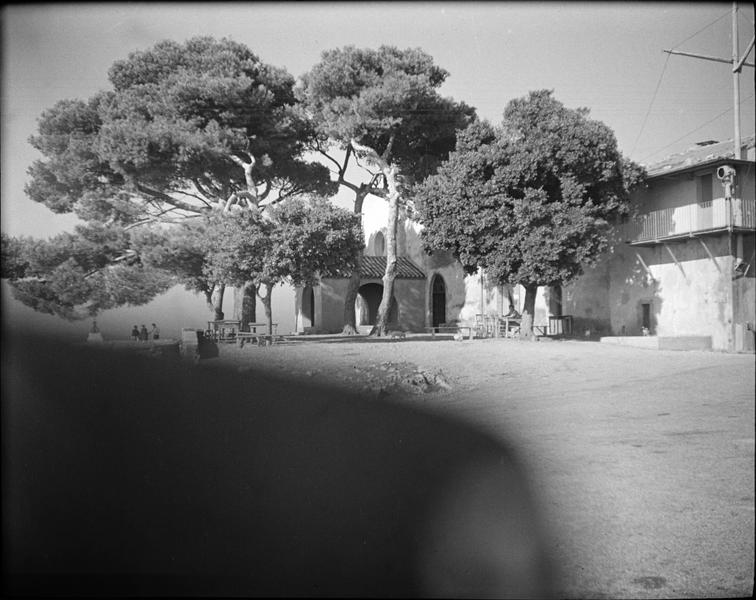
[682,342]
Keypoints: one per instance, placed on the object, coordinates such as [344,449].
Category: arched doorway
[308,307]
[369,300]
[438,301]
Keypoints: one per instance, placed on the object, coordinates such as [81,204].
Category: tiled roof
[374,267]
[706,152]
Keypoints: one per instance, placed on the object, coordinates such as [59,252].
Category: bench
[224,330]
[450,329]
[261,339]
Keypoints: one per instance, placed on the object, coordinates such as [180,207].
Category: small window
[705,190]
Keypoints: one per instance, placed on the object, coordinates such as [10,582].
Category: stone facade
[444,295]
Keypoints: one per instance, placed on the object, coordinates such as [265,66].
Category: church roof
[374,267]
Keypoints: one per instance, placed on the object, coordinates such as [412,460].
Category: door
[438,301]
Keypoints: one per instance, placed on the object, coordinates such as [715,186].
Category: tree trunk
[214,301]
[267,305]
[245,304]
[217,301]
[381,326]
[528,312]
[350,320]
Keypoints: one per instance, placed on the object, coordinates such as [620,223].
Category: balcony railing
[690,219]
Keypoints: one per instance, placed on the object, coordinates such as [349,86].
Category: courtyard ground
[642,460]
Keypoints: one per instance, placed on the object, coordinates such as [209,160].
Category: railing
[696,218]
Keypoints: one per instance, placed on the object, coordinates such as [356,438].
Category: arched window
[379,244]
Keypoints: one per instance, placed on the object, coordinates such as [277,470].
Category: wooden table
[253,336]
[224,330]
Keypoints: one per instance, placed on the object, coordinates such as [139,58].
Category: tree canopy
[388,100]
[382,107]
[184,129]
[168,139]
[66,275]
[529,201]
[296,242]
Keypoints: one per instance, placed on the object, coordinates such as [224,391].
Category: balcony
[693,219]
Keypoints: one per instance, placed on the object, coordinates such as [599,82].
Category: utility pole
[736,80]
[737,63]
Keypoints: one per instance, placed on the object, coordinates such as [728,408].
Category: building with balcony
[684,267]
[681,273]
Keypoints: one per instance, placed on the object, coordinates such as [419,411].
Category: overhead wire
[717,20]
[648,112]
[658,85]
[750,20]
[696,129]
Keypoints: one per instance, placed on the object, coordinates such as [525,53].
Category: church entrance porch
[368,301]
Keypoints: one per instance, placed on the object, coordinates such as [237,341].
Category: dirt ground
[642,460]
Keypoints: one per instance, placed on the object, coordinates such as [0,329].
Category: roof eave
[700,166]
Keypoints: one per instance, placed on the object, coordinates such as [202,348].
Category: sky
[607,57]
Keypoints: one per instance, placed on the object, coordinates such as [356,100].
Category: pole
[736,80]
[727,61]
[738,63]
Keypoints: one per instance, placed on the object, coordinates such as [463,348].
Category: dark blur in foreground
[140,476]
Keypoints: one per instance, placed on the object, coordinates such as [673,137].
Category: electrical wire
[696,129]
[750,20]
[702,28]
[658,84]
[648,112]
[661,76]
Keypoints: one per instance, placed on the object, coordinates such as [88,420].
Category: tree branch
[128,254]
[230,201]
[387,152]
[347,156]
[247,166]
[201,189]
[158,195]
[138,224]
[332,159]
[215,190]
[264,194]
[368,152]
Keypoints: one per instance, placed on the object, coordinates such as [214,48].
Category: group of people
[142,335]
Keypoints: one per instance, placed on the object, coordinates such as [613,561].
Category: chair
[511,326]
[480,325]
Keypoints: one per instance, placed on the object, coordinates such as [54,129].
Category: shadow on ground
[127,474]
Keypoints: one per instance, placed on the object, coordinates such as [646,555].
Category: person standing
[143,334]
[135,333]
[94,333]
[155,333]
